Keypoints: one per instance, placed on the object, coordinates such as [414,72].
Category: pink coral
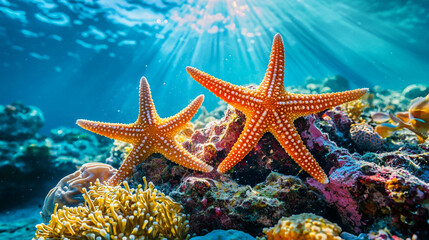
[364,193]
[339,192]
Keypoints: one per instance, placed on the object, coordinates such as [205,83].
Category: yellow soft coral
[118,213]
[354,109]
[304,226]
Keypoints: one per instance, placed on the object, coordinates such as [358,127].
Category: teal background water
[83,59]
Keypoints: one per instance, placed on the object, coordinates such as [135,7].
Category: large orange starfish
[269,108]
[150,134]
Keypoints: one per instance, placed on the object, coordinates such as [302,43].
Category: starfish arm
[136,156]
[176,153]
[309,104]
[147,112]
[236,96]
[273,83]
[122,132]
[249,137]
[178,121]
[292,143]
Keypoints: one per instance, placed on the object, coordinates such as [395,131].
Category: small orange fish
[415,120]
[419,117]
[385,129]
[326,117]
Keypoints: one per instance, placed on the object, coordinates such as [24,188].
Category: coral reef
[19,122]
[118,213]
[358,197]
[31,163]
[366,195]
[415,90]
[364,136]
[71,147]
[389,100]
[68,191]
[336,83]
[227,205]
[374,192]
[384,234]
[29,160]
[304,226]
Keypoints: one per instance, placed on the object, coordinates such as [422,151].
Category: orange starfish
[150,134]
[269,108]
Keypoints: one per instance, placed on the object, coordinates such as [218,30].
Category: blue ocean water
[83,59]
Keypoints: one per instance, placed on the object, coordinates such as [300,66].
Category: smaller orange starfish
[269,108]
[150,134]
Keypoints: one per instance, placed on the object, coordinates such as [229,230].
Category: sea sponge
[365,137]
[68,191]
[118,213]
[305,226]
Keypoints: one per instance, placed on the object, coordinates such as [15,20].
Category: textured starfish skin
[150,134]
[269,108]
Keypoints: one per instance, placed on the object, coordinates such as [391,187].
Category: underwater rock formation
[29,160]
[336,123]
[19,122]
[415,90]
[336,83]
[225,204]
[68,191]
[162,172]
[304,226]
[72,147]
[118,213]
[414,159]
